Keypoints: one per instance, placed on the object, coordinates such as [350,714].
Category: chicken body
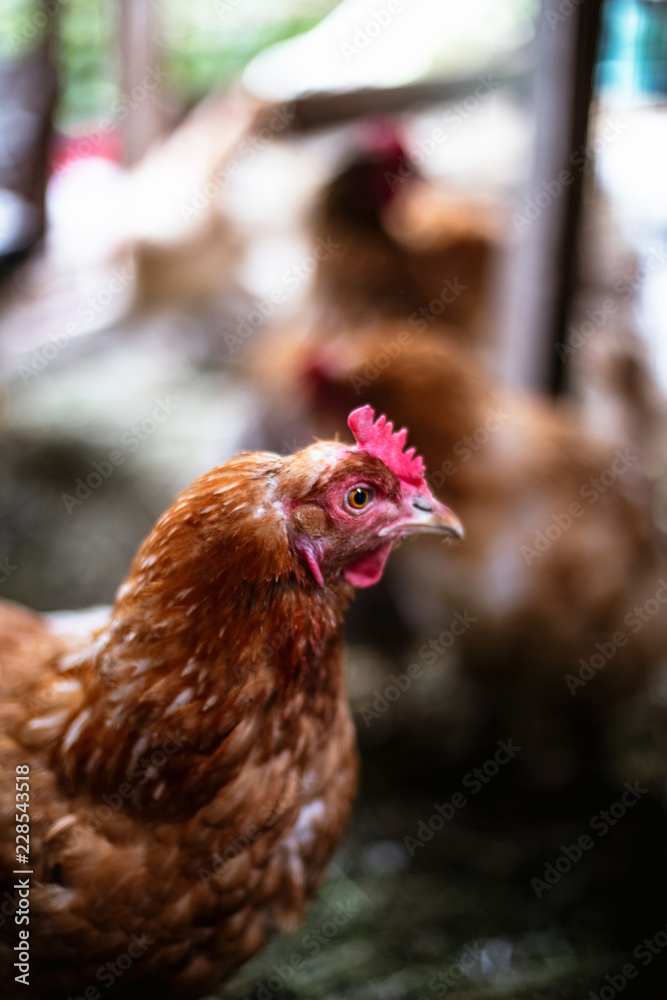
[402,249]
[192,764]
[560,545]
[184,746]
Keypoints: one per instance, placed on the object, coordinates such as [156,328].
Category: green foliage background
[202,43]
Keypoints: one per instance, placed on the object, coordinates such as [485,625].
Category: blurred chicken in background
[194,284]
[404,248]
[184,247]
[562,561]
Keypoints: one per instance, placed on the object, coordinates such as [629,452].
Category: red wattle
[367,569]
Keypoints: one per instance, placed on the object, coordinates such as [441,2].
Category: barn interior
[223,225]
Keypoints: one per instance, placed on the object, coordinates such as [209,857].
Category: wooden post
[542,267]
[139,72]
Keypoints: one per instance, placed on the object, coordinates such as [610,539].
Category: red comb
[380,440]
[382,137]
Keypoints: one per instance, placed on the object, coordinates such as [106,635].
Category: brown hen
[403,248]
[191,765]
[562,569]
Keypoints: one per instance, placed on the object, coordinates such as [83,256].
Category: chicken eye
[358,498]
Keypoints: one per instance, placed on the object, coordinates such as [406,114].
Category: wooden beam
[542,269]
[139,71]
[321,110]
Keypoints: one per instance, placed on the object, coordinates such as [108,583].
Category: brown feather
[192,763]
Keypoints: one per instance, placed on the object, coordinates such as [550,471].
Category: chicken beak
[428,515]
[432,516]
